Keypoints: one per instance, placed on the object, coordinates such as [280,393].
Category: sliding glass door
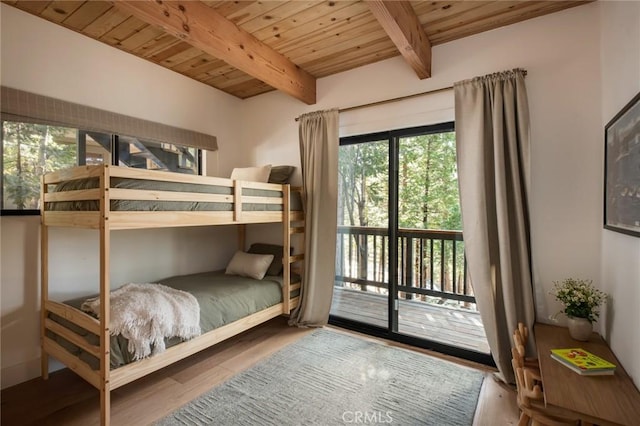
[363,232]
[400,264]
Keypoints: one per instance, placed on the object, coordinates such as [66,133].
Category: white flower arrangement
[579,297]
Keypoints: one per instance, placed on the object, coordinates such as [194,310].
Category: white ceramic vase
[580,328]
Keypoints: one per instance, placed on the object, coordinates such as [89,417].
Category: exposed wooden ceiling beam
[204,28]
[403,27]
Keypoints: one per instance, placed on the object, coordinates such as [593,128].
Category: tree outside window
[29,151]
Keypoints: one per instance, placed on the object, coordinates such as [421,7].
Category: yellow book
[582,361]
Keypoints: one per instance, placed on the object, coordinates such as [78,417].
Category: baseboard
[25,371]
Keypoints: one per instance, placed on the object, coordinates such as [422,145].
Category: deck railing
[431,263]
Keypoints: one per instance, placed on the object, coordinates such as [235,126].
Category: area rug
[331,378]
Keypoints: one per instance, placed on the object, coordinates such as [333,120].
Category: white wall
[567,100]
[44,58]
[620,47]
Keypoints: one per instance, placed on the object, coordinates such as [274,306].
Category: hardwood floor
[65,399]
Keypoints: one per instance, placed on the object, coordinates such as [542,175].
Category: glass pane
[29,150]
[157,156]
[362,252]
[435,297]
[428,182]
[98,148]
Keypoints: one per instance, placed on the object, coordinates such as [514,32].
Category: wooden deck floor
[448,325]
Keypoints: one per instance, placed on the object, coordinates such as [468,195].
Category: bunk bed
[111,198]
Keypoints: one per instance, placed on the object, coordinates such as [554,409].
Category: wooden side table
[603,400]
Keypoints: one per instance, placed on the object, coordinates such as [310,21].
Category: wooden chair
[520,338]
[523,332]
[531,402]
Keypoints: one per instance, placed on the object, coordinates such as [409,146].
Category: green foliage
[29,150]
[364,184]
[428,183]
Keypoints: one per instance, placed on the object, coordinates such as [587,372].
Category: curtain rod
[388,101]
[400,98]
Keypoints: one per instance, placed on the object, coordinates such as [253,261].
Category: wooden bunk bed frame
[106,221]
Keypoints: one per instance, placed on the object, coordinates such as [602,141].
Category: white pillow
[249,265]
[253,174]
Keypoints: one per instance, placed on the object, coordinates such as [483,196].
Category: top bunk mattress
[223,299]
[155,205]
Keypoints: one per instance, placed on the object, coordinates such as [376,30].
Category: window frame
[80,160]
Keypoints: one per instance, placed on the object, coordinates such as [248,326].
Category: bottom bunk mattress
[223,299]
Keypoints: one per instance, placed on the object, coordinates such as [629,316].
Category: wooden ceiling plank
[352,35]
[253,11]
[276,15]
[226,7]
[86,14]
[123,31]
[299,33]
[140,38]
[403,27]
[33,7]
[229,79]
[355,60]
[179,58]
[327,35]
[105,23]
[348,51]
[200,72]
[470,13]
[250,88]
[491,18]
[346,40]
[466,13]
[173,50]
[189,64]
[157,45]
[209,31]
[58,11]
[432,13]
[222,74]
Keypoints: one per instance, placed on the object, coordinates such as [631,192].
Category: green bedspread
[151,185]
[223,299]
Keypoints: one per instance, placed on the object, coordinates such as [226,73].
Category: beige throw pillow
[249,265]
[253,174]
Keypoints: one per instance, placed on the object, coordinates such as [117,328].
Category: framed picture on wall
[622,170]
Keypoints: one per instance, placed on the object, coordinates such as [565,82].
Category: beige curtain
[319,143]
[492,132]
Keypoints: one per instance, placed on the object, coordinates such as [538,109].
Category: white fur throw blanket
[146,314]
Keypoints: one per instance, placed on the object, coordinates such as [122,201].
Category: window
[141,154]
[41,134]
[29,150]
